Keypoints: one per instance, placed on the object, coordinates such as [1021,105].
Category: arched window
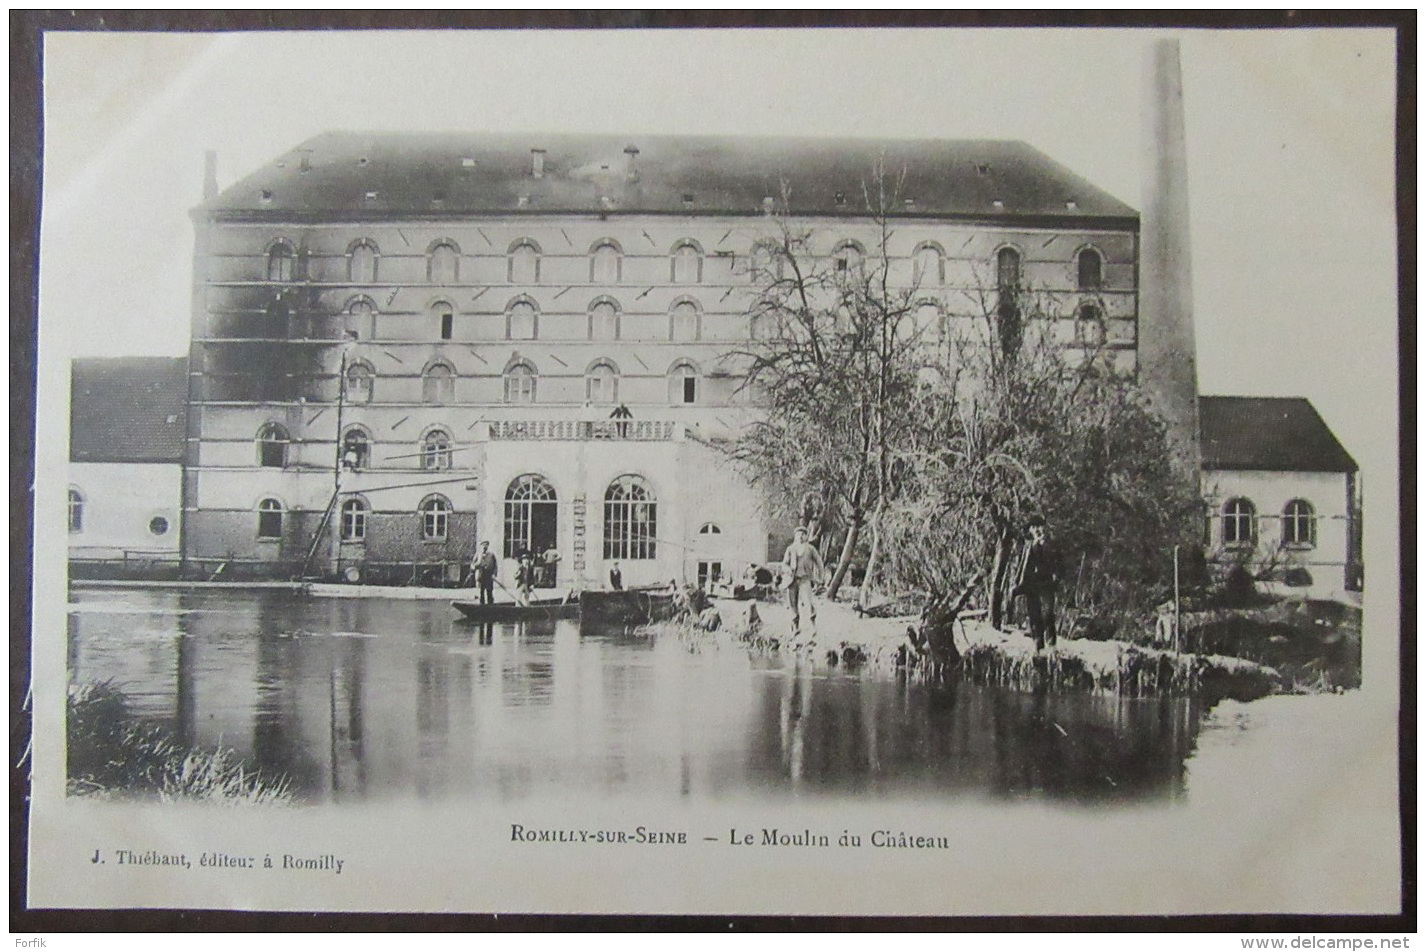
[435,513]
[443,263]
[683,383]
[76,510]
[361,263]
[709,528]
[1240,523]
[280,260]
[603,321]
[524,265]
[1007,305]
[928,267]
[438,385]
[1007,270]
[436,450]
[686,266]
[848,258]
[683,322]
[1091,270]
[1299,524]
[601,383]
[354,512]
[531,512]
[630,520]
[361,318]
[604,263]
[356,449]
[272,443]
[520,380]
[1089,328]
[443,319]
[522,321]
[361,381]
[269,519]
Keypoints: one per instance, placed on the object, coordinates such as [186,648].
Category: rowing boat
[632,607]
[510,611]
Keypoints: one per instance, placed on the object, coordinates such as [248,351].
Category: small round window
[158,525]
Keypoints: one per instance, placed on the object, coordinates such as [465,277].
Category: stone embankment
[989,656]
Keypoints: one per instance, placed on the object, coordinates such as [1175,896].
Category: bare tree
[834,360]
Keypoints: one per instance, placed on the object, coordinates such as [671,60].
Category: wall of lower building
[1326,560]
[122,503]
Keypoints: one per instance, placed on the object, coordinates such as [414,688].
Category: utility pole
[334,527]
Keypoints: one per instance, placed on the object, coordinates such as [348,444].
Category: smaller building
[1282,495]
[127,430]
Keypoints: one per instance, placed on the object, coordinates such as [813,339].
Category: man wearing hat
[1039,578]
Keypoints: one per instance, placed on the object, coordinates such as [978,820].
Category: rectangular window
[433,524]
[447,325]
[353,525]
[269,524]
[709,572]
[690,389]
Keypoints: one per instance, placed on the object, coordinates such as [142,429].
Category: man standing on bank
[1039,577]
[803,566]
[484,566]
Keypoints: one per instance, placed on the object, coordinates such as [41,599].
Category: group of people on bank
[1036,579]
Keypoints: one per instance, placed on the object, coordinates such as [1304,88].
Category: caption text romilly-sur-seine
[763,837]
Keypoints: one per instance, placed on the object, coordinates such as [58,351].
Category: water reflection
[362,699]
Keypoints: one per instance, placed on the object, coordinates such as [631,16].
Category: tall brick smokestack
[1168,365]
[210,175]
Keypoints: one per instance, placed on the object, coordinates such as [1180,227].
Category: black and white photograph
[937,472]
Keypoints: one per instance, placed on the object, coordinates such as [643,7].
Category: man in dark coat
[484,567]
[1039,578]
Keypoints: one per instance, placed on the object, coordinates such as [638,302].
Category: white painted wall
[1270,492]
[120,502]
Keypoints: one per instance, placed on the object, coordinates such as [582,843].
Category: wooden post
[1177,614]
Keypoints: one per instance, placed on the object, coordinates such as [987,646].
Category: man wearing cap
[484,567]
[1039,577]
[802,565]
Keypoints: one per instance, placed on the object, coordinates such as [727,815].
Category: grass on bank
[113,753]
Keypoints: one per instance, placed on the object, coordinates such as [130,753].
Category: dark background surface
[27,29]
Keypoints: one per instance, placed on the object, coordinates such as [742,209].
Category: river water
[359,700]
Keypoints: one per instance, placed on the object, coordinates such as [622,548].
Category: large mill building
[407,344]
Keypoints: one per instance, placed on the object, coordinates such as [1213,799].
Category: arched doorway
[532,524]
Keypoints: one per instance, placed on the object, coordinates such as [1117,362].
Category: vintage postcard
[861,472]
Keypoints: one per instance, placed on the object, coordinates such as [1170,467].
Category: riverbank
[992,657]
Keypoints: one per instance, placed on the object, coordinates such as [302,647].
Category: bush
[111,752]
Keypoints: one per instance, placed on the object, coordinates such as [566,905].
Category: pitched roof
[128,409]
[1269,433]
[380,175]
